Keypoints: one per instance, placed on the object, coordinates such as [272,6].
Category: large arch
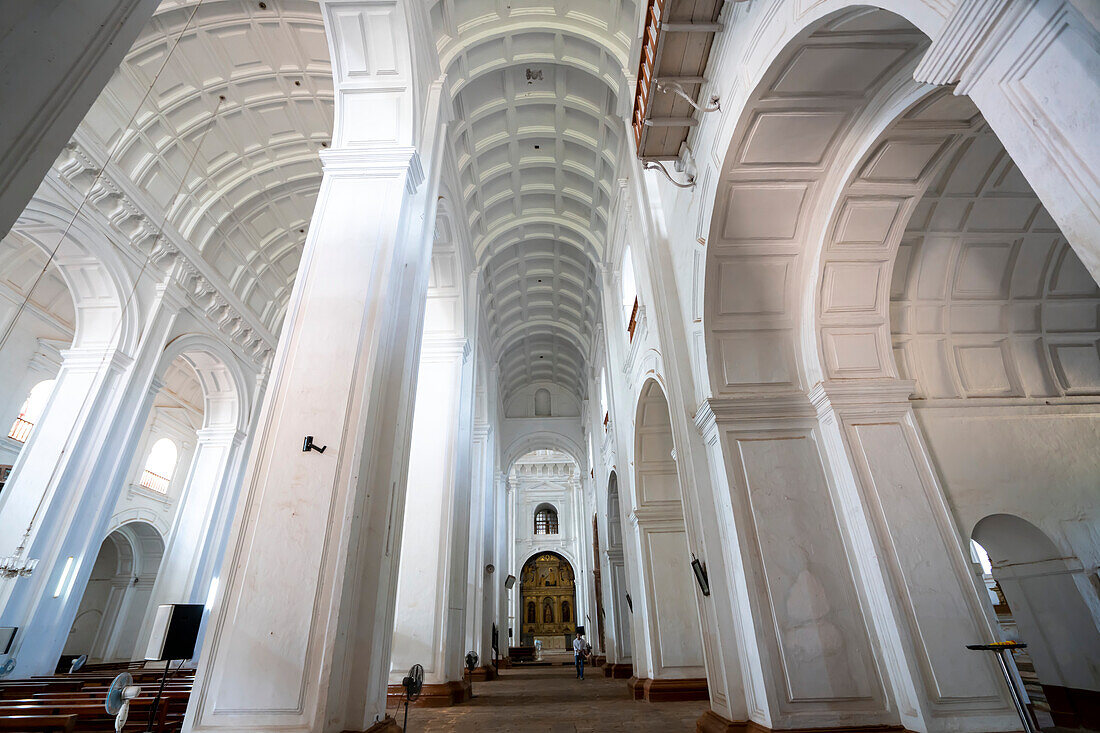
[620,651]
[1052,616]
[668,651]
[117,597]
[809,126]
[554,632]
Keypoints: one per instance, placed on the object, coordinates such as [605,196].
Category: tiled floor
[553,700]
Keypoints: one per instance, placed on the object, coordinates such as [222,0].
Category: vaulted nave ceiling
[238,113]
[537,88]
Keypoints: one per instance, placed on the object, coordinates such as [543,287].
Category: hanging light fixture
[15,566]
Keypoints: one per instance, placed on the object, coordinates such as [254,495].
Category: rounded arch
[115,601]
[541,440]
[225,390]
[789,148]
[614,513]
[1047,605]
[88,263]
[546,519]
[655,474]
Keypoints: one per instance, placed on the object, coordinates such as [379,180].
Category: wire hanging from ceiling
[12,566]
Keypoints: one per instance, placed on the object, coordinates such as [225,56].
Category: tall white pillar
[916,568]
[299,638]
[432,581]
[68,478]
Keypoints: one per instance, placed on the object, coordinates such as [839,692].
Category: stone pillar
[816,629]
[185,571]
[300,637]
[431,587]
[480,526]
[68,478]
[808,657]
[57,57]
[619,652]
[1032,69]
[915,567]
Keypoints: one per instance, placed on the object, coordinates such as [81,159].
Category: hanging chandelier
[15,566]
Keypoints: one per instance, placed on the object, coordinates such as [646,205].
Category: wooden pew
[38,723]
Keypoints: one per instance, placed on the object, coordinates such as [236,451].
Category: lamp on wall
[700,570]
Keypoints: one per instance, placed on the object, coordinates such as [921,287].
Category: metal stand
[156,701]
[405,724]
[1000,649]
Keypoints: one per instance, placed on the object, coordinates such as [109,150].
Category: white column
[916,569]
[57,57]
[480,526]
[299,639]
[184,573]
[431,586]
[1032,67]
[68,478]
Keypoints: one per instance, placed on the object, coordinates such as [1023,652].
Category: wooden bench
[38,723]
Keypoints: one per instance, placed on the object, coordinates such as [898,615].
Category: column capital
[436,348]
[967,42]
[226,434]
[865,397]
[384,162]
[754,408]
[92,359]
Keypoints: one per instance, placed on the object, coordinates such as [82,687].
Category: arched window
[31,412]
[530,612]
[160,466]
[546,520]
[542,403]
[565,612]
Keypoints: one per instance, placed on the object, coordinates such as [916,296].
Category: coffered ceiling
[230,103]
[537,89]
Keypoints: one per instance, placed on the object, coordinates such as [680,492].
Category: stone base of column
[598,661]
[712,722]
[675,690]
[1073,708]
[636,685]
[482,674]
[432,696]
[504,663]
[385,725]
[618,671]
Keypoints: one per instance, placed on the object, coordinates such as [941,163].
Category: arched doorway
[116,599]
[668,664]
[549,592]
[1049,613]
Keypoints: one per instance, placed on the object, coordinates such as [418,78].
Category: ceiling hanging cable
[13,566]
[117,148]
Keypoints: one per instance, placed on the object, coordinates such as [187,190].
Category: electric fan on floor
[7,667]
[471,665]
[119,695]
[78,663]
[413,683]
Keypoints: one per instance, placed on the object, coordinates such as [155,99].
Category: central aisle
[553,700]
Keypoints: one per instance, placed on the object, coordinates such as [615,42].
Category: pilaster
[916,581]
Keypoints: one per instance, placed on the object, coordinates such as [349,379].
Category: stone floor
[553,700]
